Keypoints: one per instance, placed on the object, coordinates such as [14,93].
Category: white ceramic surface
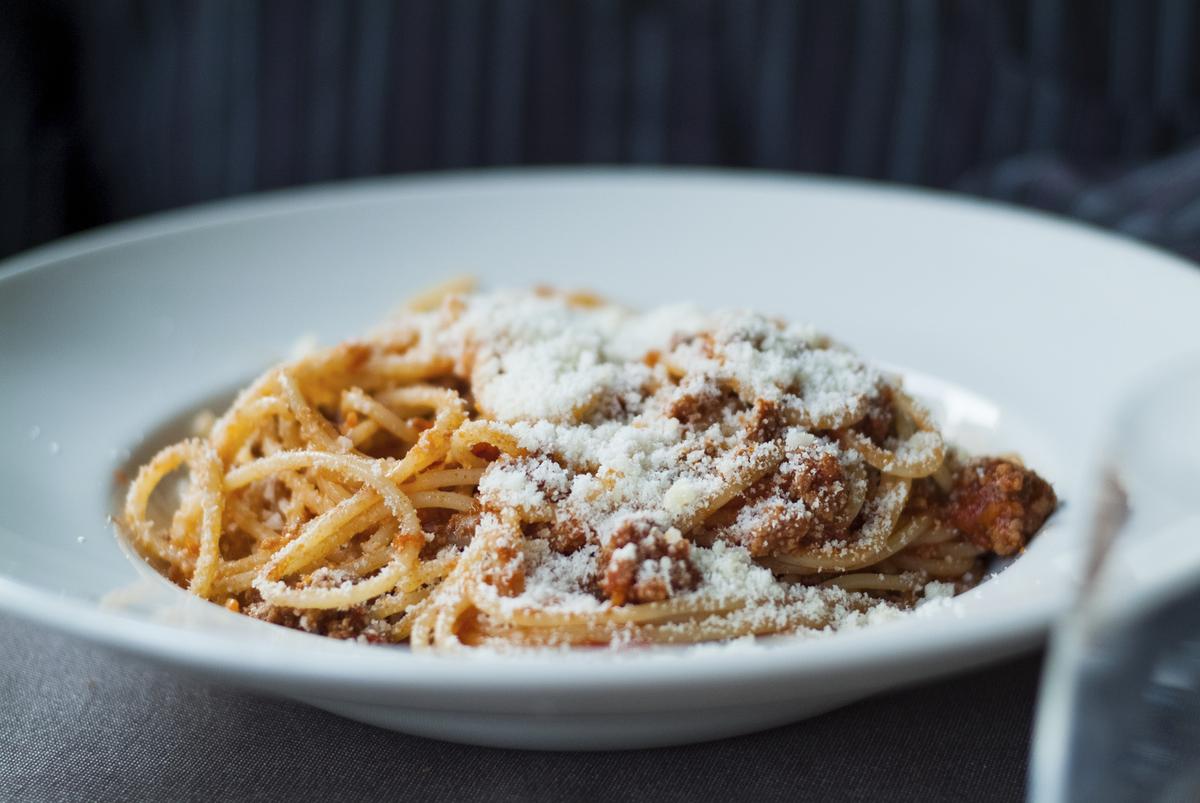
[1033,327]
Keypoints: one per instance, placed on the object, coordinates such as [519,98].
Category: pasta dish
[544,468]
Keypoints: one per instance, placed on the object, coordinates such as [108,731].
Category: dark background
[116,108]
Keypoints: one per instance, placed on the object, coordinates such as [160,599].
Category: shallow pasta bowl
[1019,330]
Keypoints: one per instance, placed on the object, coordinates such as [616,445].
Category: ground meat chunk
[448,528]
[768,524]
[700,403]
[881,414]
[335,624]
[819,482]
[565,535]
[642,563]
[998,504]
[485,451]
[802,503]
[765,421]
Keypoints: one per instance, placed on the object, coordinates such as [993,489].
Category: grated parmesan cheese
[609,408]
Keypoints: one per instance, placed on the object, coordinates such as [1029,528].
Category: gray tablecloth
[77,723]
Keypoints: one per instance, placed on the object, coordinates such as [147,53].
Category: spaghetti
[544,468]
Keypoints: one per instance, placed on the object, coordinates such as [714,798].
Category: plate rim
[312,197]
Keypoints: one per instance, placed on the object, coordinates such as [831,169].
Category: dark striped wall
[110,109]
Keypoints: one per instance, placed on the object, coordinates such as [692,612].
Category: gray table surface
[79,723]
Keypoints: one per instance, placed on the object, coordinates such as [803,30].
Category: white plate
[107,338]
